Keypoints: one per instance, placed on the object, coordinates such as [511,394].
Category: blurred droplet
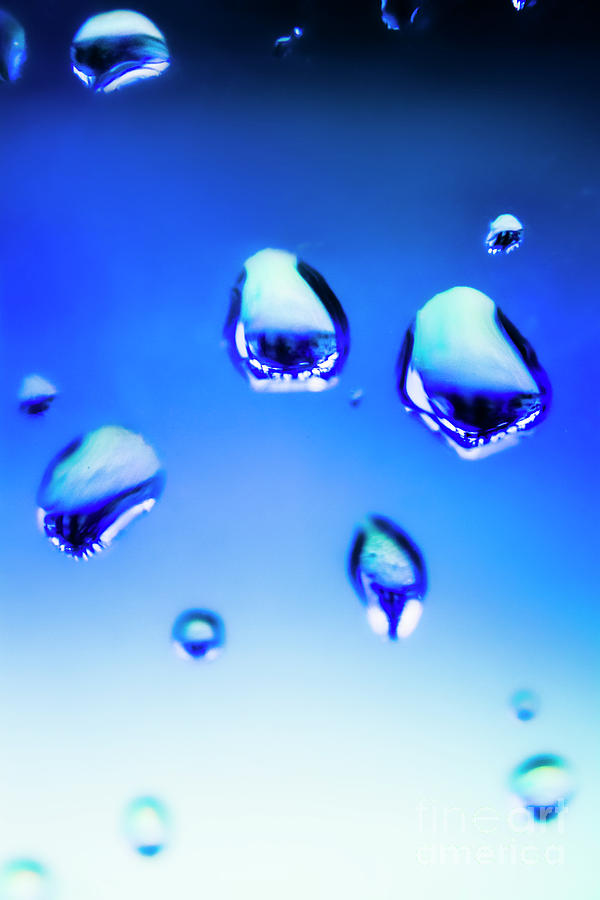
[35,395]
[24,879]
[286,43]
[147,825]
[544,785]
[525,705]
[198,634]
[13,48]
[505,234]
[356,397]
[465,370]
[117,48]
[286,329]
[95,487]
[522,4]
[388,573]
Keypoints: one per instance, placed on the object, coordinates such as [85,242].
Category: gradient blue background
[295,764]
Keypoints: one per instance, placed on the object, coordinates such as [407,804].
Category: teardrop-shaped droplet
[286,329]
[147,825]
[198,634]
[525,705]
[470,376]
[35,395]
[544,785]
[95,486]
[117,48]
[24,879]
[13,49]
[388,573]
[505,234]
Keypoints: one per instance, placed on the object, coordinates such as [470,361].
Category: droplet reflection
[198,634]
[544,785]
[147,825]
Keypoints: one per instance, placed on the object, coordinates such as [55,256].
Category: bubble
[198,634]
[505,234]
[470,376]
[24,879]
[525,705]
[285,44]
[388,573]
[147,825]
[117,48]
[13,47]
[95,486]
[544,785]
[286,329]
[35,395]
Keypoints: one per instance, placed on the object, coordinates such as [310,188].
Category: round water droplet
[24,879]
[117,48]
[286,330]
[525,705]
[13,49]
[147,825]
[544,785]
[388,573]
[35,395]
[465,370]
[94,487]
[198,634]
[505,234]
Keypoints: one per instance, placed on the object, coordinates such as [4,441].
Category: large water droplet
[198,634]
[95,486]
[468,373]
[35,395]
[544,785]
[147,825]
[117,48]
[286,329]
[24,879]
[387,571]
[13,49]
[505,234]
[525,705]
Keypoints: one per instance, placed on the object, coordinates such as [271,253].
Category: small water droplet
[388,573]
[356,397]
[525,705]
[147,825]
[544,785]
[13,47]
[198,634]
[95,486]
[35,395]
[470,376]
[286,43]
[24,879]
[505,234]
[286,329]
[117,48]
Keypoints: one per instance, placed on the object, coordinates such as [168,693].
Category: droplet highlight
[505,234]
[387,571]
[117,48]
[24,879]
[36,394]
[147,825]
[284,45]
[286,330]
[525,705]
[13,47]
[95,487]
[470,376]
[544,786]
[198,634]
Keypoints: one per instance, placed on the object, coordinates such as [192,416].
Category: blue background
[296,763]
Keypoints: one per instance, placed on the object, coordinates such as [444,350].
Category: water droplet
[525,705]
[95,486]
[198,634]
[117,48]
[285,44]
[387,572]
[13,48]
[356,397]
[147,825]
[35,395]
[24,879]
[521,4]
[286,329]
[399,15]
[505,234]
[544,785]
[468,373]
